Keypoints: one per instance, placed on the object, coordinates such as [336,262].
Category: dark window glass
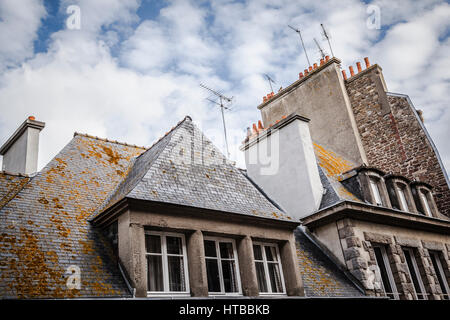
[153,244]
[176,273]
[261,276]
[229,276]
[275,277]
[173,245]
[257,252]
[226,250]
[155,273]
[270,253]
[210,248]
[383,271]
[212,271]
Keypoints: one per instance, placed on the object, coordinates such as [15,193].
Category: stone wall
[360,260]
[392,136]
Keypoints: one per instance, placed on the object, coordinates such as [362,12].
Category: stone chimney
[281,160]
[20,151]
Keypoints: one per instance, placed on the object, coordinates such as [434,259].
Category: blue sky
[133,68]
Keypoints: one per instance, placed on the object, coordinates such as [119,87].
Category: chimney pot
[260,126]
[358,65]
[352,73]
[300,75]
[327,58]
[315,65]
[322,62]
[366,60]
[255,130]
[31,118]
[306,72]
[344,74]
[310,68]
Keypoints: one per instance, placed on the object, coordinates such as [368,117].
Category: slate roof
[185,168]
[331,166]
[44,228]
[321,277]
[44,220]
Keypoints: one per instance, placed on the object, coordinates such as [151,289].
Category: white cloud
[19,22]
[79,86]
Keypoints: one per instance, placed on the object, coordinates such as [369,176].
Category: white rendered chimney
[20,151]
[281,160]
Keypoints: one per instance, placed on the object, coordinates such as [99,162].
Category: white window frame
[387,266]
[219,259]
[374,183]
[165,267]
[441,271]
[266,269]
[417,272]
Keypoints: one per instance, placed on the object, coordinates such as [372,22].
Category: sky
[131,69]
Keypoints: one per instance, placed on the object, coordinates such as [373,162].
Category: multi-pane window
[166,263]
[387,278]
[439,271]
[402,197]
[268,268]
[374,186]
[222,266]
[414,273]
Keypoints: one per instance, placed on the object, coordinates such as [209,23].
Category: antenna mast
[270,81]
[303,45]
[322,53]
[327,36]
[222,98]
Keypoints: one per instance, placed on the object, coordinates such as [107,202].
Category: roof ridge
[108,140]
[187,117]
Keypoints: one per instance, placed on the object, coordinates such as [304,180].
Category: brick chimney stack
[20,151]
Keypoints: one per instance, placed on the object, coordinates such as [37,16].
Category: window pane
[261,276]
[212,271]
[173,245]
[257,252]
[271,253]
[226,250]
[401,193]
[176,274]
[375,191]
[412,273]
[210,248]
[384,273]
[427,205]
[153,243]
[275,277]
[229,276]
[155,273]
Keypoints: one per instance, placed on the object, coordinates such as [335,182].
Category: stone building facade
[384,210]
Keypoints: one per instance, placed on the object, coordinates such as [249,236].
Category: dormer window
[424,199]
[400,193]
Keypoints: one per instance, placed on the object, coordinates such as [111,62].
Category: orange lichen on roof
[315,276]
[330,162]
[55,206]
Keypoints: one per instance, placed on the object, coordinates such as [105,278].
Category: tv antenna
[270,81]
[322,53]
[303,45]
[328,37]
[222,98]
